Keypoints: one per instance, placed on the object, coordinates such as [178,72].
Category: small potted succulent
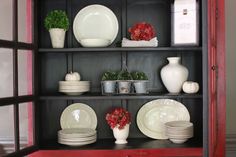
[140,81]
[109,81]
[119,120]
[124,81]
[57,23]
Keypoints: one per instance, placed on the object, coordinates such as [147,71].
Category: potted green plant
[57,23]
[109,81]
[124,81]
[140,81]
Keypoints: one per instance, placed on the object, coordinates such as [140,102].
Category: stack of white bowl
[77,136]
[179,131]
[74,87]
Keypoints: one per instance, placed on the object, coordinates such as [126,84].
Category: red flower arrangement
[142,31]
[118,117]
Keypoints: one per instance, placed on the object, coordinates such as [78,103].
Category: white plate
[95,22]
[72,93]
[152,116]
[76,143]
[78,115]
[86,89]
[77,132]
[74,83]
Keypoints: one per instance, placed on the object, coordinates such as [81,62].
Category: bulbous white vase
[173,75]
[121,134]
[57,37]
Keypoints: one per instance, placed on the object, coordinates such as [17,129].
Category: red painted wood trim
[221,81]
[172,152]
[216,56]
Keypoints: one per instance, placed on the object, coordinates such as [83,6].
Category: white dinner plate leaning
[152,116]
[78,115]
[95,22]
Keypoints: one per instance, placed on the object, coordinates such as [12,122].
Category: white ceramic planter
[121,135]
[173,75]
[57,37]
[124,86]
[109,86]
[140,86]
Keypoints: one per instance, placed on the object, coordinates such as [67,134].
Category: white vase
[57,37]
[121,134]
[173,75]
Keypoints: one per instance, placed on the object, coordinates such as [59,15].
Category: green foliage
[124,75]
[138,75]
[110,75]
[56,19]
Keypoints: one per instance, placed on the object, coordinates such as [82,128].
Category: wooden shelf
[133,143]
[119,49]
[99,96]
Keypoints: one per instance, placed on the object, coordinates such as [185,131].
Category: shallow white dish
[78,115]
[179,125]
[152,116]
[73,93]
[74,83]
[178,141]
[95,42]
[95,22]
[76,143]
[77,132]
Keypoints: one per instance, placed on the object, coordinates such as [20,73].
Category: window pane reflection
[24,21]
[24,72]
[6,25]
[25,125]
[6,73]
[7,143]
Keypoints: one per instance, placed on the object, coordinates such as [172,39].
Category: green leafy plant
[138,75]
[110,75]
[124,75]
[56,19]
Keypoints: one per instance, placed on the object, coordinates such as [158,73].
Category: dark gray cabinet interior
[92,62]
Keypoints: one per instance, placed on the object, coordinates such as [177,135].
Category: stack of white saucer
[74,87]
[179,131]
[77,136]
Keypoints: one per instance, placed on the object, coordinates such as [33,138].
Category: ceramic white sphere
[190,87]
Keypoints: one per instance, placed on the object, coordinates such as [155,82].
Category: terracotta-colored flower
[142,31]
[118,117]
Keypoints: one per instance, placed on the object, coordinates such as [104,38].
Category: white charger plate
[152,116]
[78,115]
[95,22]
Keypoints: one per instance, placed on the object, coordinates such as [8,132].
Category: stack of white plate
[77,136]
[179,131]
[74,87]
[78,122]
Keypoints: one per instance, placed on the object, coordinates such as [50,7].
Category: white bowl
[178,141]
[95,42]
[179,125]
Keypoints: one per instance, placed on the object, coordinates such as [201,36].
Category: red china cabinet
[48,66]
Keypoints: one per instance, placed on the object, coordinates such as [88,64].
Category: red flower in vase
[118,117]
[142,31]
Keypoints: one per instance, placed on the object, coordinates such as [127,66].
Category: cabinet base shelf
[133,143]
